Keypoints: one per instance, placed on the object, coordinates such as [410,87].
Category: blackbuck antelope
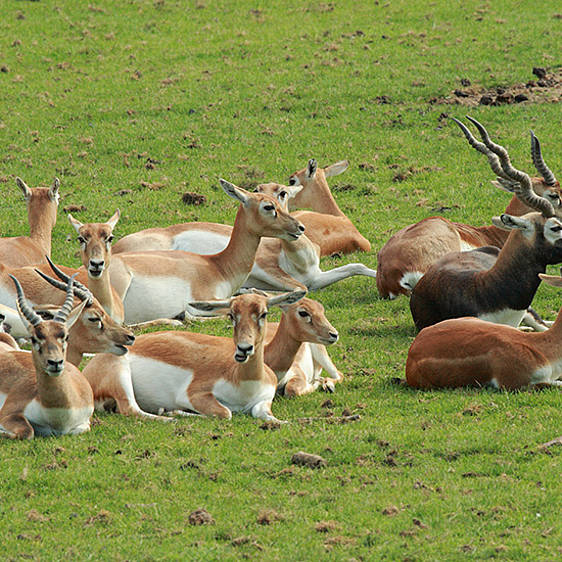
[279,264]
[493,285]
[159,284]
[411,251]
[183,372]
[326,225]
[94,331]
[296,351]
[40,392]
[42,203]
[95,250]
[471,352]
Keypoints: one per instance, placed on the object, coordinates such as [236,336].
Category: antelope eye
[81,239]
[110,239]
[263,315]
[269,207]
[283,194]
[303,313]
[292,181]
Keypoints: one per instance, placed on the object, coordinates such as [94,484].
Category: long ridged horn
[525,190]
[23,306]
[539,163]
[67,306]
[80,290]
[481,147]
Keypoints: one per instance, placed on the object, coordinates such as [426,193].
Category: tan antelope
[40,392]
[183,372]
[410,252]
[94,331]
[279,264]
[296,351]
[326,225]
[471,352]
[492,284]
[42,204]
[159,284]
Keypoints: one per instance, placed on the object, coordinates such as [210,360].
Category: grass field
[134,103]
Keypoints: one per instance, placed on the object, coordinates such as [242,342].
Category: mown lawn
[133,104]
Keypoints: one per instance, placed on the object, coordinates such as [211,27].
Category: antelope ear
[24,188]
[510,222]
[286,299]
[209,308]
[235,192]
[554,280]
[293,190]
[311,168]
[76,224]
[54,190]
[113,220]
[336,169]
[75,314]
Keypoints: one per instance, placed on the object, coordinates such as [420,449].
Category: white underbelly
[243,396]
[149,298]
[157,384]
[200,242]
[57,421]
[508,316]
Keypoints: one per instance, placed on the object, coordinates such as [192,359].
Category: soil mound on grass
[546,87]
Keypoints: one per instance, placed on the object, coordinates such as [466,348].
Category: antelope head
[308,323]
[266,216]
[42,202]
[248,314]
[48,337]
[283,193]
[95,243]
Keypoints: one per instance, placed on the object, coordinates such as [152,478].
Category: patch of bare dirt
[545,87]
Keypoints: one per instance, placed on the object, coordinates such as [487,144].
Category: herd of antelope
[470,288]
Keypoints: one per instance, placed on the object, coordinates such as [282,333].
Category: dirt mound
[547,88]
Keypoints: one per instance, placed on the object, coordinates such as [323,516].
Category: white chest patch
[157,384]
[57,421]
[466,247]
[243,397]
[507,316]
[148,298]
[305,362]
[200,242]
[409,280]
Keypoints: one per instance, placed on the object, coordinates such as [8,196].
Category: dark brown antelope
[493,285]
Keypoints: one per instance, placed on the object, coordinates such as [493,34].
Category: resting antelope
[42,203]
[40,392]
[410,252]
[490,284]
[94,331]
[279,264]
[189,372]
[296,351]
[326,225]
[470,352]
[7,342]
[159,284]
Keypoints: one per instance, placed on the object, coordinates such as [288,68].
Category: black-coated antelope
[471,352]
[42,204]
[40,392]
[185,372]
[326,225]
[410,252]
[493,285]
[159,284]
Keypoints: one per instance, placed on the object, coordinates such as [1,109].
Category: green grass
[249,91]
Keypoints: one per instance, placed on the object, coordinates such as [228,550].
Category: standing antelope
[40,392]
[189,372]
[410,252]
[470,352]
[326,224]
[159,284]
[296,351]
[490,284]
[42,203]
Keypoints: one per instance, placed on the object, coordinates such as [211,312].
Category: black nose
[334,335]
[301,227]
[130,340]
[245,348]
[55,364]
